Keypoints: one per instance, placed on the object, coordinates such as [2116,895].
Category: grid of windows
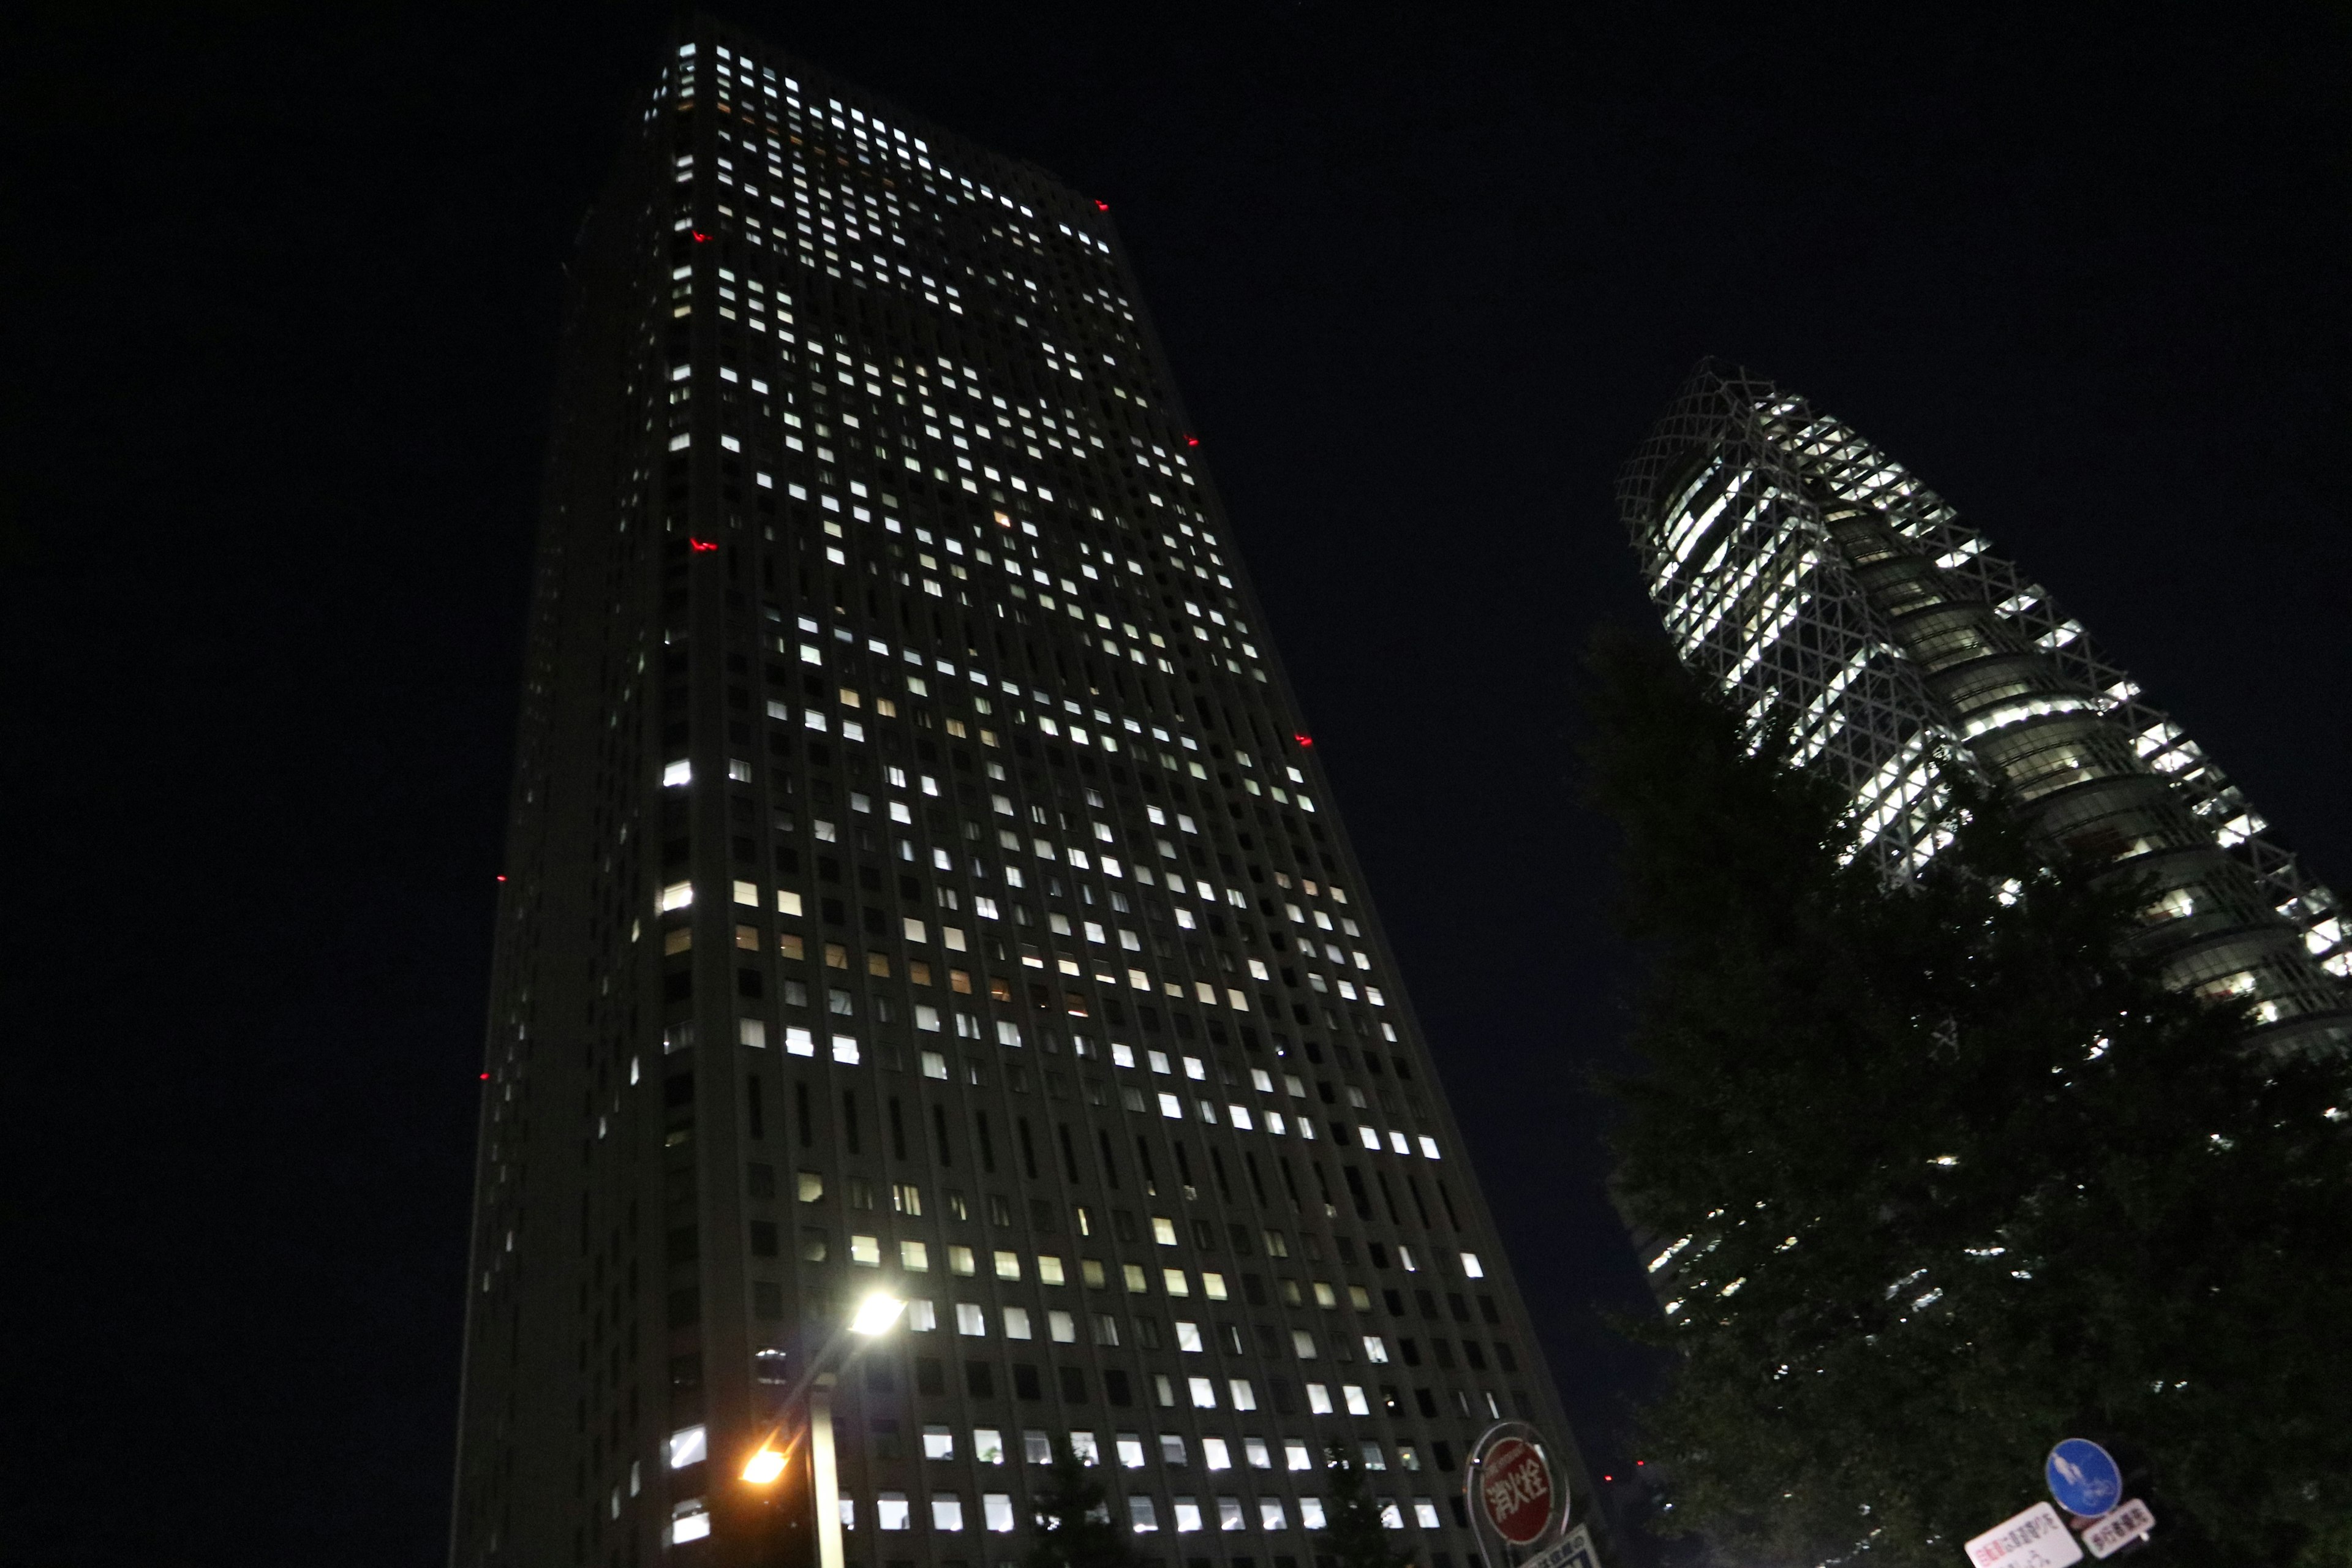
[919,877]
[1832,596]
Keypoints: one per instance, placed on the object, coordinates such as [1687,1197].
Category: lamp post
[875,1315]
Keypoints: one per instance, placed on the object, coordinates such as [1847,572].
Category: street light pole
[874,1317]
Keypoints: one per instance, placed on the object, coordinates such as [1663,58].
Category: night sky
[282,293]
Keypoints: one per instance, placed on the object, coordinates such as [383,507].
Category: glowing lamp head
[764,1466]
[877,1313]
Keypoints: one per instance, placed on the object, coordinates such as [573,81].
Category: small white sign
[2034,1539]
[2114,1531]
[1573,1550]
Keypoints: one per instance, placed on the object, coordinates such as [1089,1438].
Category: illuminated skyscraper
[1828,595]
[918,884]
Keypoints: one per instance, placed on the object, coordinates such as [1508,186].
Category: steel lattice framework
[1834,598]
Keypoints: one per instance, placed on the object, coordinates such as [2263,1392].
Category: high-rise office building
[1832,597]
[920,889]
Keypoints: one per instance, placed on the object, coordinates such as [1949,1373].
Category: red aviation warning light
[1303,740]
[699,237]
[698,545]
[1102,206]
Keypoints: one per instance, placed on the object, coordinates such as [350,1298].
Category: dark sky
[281,291]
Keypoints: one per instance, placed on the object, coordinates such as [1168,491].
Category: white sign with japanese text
[2034,1539]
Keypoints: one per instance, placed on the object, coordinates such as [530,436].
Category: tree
[1952,1176]
[1352,1531]
[1075,1528]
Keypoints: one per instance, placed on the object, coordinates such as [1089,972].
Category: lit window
[1017,1323]
[1203,1391]
[998,1509]
[688,1445]
[689,1521]
[890,1511]
[865,1251]
[1470,1268]
[1272,1515]
[1141,1515]
[673,776]
[938,1442]
[946,1511]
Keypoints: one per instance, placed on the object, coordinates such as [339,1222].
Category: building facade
[1834,599]
[919,885]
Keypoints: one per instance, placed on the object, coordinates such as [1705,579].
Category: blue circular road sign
[2084,1477]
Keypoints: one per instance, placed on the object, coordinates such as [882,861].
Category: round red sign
[1515,1488]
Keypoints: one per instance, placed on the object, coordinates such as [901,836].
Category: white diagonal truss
[1834,599]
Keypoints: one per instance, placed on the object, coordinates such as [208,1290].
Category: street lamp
[875,1317]
[875,1314]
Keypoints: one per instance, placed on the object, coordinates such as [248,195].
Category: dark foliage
[1075,1528]
[1959,1179]
[1352,1533]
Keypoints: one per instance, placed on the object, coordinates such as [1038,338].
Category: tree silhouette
[1352,1531]
[1949,1173]
[1075,1528]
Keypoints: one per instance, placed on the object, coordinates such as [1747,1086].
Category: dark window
[683,1245]
[1486,1310]
[684,1307]
[767,1300]
[979,1380]
[1115,1388]
[763,1238]
[930,1377]
[1073,1384]
[760,1180]
[1025,1382]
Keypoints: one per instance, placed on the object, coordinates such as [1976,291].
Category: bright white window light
[688,1445]
[1472,1268]
[874,1315]
[677,773]
[677,895]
